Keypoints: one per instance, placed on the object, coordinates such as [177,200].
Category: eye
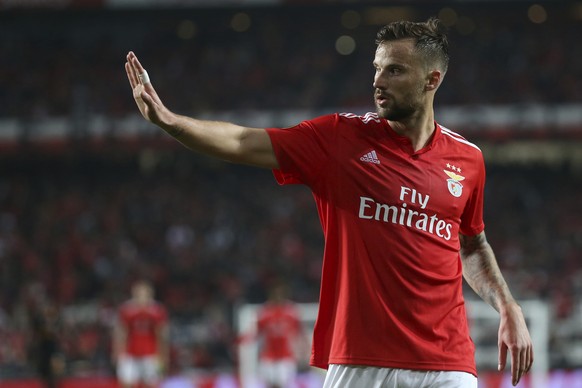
[395,70]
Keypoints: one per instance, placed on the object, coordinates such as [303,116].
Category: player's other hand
[514,336]
[144,94]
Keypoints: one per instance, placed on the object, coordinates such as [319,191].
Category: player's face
[399,81]
[142,292]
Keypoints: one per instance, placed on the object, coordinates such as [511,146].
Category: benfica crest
[453,184]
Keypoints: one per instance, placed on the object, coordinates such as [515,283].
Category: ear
[433,80]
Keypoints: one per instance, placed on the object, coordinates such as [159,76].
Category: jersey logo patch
[370,157]
[453,184]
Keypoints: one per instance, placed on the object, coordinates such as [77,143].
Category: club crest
[453,184]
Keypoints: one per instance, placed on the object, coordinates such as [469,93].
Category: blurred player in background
[400,200]
[281,338]
[140,338]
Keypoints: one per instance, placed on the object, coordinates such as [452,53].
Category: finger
[522,365]
[502,357]
[529,358]
[132,71]
[139,72]
[131,59]
[144,78]
[147,99]
[515,367]
[152,109]
[130,76]
[135,66]
[524,361]
[136,63]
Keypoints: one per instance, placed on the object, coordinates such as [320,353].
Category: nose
[379,81]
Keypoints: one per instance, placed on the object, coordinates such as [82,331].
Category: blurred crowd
[78,226]
[70,63]
[77,230]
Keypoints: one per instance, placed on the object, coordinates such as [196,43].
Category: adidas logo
[370,157]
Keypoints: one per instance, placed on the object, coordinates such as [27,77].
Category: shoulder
[333,123]
[464,151]
[368,118]
[457,140]
[265,312]
[158,308]
[292,310]
[351,126]
[126,306]
[347,119]
[126,309]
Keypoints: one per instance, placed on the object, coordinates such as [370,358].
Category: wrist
[509,307]
[168,120]
[171,123]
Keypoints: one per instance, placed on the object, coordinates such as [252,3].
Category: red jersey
[278,326]
[391,287]
[142,324]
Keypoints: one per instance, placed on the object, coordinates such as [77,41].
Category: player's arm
[482,273]
[223,140]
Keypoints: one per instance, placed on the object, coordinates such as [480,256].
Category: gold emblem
[453,184]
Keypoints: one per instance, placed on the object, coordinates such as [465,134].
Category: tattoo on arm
[481,271]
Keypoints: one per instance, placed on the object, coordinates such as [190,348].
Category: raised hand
[144,94]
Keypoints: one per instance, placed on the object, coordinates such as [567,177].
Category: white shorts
[131,370]
[355,376]
[280,373]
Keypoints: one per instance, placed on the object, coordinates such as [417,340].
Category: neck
[418,128]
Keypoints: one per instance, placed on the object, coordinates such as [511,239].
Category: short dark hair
[430,39]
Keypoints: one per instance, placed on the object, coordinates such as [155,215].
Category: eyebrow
[393,65]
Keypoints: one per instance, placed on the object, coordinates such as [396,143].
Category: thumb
[154,111]
[145,96]
[502,356]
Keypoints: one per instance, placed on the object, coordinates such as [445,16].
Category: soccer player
[400,199]
[280,334]
[140,338]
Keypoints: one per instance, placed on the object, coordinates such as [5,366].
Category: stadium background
[92,197]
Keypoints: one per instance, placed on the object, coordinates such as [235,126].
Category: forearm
[222,140]
[213,138]
[482,273]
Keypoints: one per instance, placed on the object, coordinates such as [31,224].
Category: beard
[396,112]
[401,110]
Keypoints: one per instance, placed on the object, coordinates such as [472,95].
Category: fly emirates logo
[372,210]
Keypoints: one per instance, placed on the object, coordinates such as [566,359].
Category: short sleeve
[122,315]
[472,217]
[303,150]
[162,314]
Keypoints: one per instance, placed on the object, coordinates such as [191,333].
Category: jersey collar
[405,144]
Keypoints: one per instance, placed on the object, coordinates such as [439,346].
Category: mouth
[381,99]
